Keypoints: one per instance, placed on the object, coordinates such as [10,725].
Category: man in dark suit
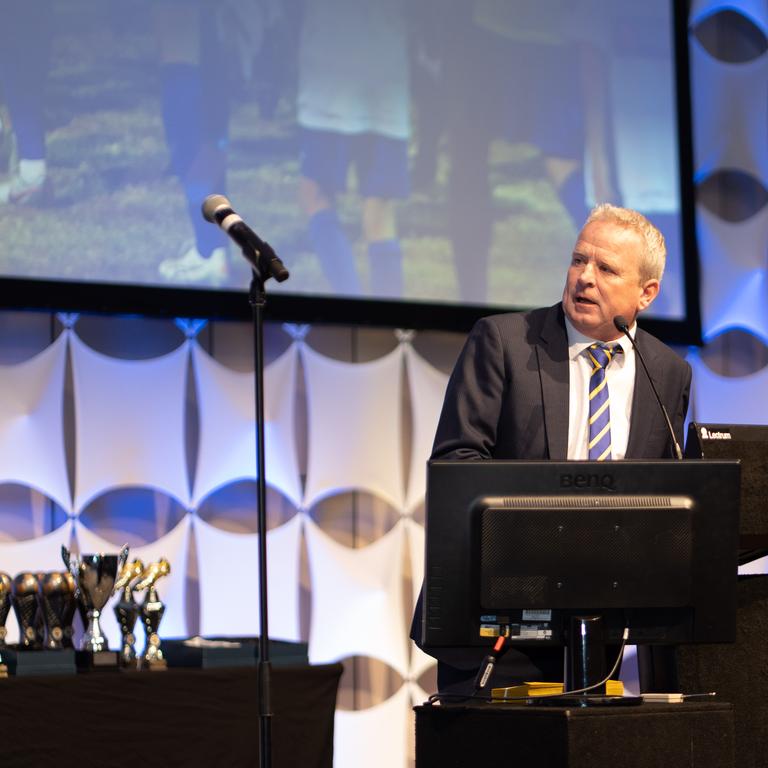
[522,386]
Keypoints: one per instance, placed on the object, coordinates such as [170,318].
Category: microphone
[622,325]
[218,210]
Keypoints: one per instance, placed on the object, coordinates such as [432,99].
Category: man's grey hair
[655,250]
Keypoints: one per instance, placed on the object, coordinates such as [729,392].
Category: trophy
[26,605]
[5,607]
[58,609]
[67,621]
[5,604]
[95,576]
[152,610]
[127,610]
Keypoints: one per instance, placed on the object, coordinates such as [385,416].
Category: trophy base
[24,663]
[99,661]
[156,665]
[183,653]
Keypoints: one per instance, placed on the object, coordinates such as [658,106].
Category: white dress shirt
[620,378]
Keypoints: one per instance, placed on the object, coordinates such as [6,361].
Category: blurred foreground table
[178,717]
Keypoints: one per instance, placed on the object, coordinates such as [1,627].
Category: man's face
[604,280]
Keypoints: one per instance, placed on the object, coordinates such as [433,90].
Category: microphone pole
[257,298]
[264,264]
[621,325]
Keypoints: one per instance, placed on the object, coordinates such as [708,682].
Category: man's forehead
[589,248]
[608,240]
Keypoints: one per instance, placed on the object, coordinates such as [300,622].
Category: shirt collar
[578,342]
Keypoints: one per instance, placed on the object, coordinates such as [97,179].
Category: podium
[684,735]
[739,671]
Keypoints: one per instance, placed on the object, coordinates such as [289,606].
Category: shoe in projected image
[19,191]
[191,267]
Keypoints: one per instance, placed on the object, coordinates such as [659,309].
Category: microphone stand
[257,298]
[621,324]
[265,263]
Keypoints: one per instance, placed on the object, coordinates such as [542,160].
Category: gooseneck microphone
[218,210]
[621,325]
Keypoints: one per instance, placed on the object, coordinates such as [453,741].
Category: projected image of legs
[23,74]
[195,110]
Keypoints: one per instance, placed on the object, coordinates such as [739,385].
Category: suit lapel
[552,352]
[644,405]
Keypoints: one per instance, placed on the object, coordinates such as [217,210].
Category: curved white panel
[357,604]
[129,421]
[730,119]
[755,10]
[31,423]
[728,400]
[354,413]
[427,388]
[41,554]
[172,589]
[227,448]
[418,694]
[376,737]
[733,273]
[420,662]
[228,564]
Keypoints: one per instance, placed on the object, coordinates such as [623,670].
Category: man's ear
[650,290]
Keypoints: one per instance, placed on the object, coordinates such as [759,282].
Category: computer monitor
[749,444]
[518,548]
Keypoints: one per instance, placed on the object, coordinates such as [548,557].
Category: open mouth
[585,300]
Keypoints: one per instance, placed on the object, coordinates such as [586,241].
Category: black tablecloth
[648,736]
[171,718]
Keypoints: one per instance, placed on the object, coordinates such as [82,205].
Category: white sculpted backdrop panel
[227,442]
[129,420]
[32,425]
[355,434]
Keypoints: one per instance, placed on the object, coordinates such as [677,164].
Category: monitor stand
[586,666]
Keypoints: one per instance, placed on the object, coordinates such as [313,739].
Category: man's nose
[587,274]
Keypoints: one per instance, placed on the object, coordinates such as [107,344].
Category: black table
[177,717]
[645,736]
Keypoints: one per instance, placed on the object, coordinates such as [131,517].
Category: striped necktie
[599,404]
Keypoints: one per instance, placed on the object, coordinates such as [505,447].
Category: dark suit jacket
[508,395]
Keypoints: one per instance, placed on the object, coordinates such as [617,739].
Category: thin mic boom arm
[621,325]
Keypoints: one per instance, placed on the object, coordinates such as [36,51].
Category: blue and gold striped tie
[599,404]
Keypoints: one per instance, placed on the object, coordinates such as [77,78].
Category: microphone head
[621,323]
[213,203]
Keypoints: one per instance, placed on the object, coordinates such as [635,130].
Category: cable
[436,697]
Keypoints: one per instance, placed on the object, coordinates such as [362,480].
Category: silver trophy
[95,577]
